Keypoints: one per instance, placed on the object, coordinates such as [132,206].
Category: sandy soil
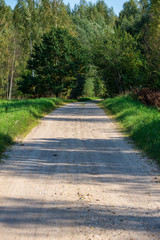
[75,177]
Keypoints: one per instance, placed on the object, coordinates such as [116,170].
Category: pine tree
[56,61]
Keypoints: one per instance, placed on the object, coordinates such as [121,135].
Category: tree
[130,17]
[153,45]
[121,63]
[27,22]
[54,14]
[8,51]
[56,62]
[93,22]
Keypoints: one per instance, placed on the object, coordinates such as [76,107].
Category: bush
[148,96]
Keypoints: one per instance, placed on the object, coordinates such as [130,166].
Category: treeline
[49,49]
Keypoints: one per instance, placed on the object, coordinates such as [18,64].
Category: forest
[48,49]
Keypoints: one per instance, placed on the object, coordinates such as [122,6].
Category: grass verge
[141,122]
[18,117]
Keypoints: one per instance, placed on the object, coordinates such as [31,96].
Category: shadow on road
[28,212]
[89,161]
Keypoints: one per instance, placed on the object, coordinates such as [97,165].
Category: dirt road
[75,177]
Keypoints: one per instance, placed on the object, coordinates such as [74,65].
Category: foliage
[142,20]
[121,63]
[78,86]
[88,90]
[6,48]
[20,29]
[123,49]
[92,22]
[56,62]
[153,44]
[130,17]
[54,14]
[93,86]
[141,122]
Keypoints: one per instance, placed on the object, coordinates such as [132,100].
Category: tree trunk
[56,14]
[31,46]
[57,95]
[12,71]
[8,78]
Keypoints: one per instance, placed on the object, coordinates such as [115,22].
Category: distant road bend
[75,177]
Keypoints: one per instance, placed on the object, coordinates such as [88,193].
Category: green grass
[18,117]
[141,122]
[86,99]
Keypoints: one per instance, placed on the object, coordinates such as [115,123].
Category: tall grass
[142,123]
[17,117]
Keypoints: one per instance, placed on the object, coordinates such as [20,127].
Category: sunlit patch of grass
[142,123]
[85,99]
[17,117]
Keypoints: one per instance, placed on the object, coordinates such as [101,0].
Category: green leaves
[120,61]
[125,50]
[58,58]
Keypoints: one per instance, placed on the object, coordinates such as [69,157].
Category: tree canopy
[47,48]
[57,60]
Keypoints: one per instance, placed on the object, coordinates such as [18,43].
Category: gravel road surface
[76,177]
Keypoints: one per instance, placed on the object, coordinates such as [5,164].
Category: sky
[116,4]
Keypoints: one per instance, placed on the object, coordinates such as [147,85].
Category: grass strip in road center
[141,122]
[18,117]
